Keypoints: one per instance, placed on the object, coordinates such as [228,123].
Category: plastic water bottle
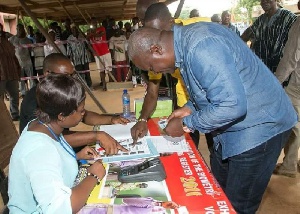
[126,103]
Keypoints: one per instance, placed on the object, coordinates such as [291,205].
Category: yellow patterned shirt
[182,94]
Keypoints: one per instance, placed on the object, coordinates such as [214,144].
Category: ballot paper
[143,148]
[117,131]
[167,144]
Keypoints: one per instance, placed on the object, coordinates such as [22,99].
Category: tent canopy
[52,9]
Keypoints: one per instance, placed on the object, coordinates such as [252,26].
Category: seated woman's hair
[58,94]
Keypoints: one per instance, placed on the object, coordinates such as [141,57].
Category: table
[189,183]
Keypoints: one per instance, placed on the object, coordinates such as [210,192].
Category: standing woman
[43,166]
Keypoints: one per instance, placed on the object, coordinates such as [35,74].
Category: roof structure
[80,10]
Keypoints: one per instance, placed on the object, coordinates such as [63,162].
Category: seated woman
[43,165]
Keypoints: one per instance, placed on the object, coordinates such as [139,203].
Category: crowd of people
[233,94]
[244,99]
[105,44]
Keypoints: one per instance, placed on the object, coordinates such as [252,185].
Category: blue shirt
[41,175]
[232,93]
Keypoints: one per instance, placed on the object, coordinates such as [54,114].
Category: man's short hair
[157,11]
[51,60]
[140,41]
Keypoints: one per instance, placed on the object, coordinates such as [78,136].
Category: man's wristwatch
[185,128]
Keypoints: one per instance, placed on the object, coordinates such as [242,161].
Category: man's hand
[139,130]
[119,120]
[110,145]
[174,127]
[180,113]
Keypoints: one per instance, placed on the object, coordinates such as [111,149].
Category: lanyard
[61,141]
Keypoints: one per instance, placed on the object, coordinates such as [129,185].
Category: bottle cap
[125,91]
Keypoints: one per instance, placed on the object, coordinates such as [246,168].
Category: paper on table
[118,131]
[143,149]
[166,144]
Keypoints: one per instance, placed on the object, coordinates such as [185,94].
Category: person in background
[226,22]
[97,36]
[289,68]
[49,49]
[43,166]
[31,34]
[59,64]
[194,13]
[127,35]
[121,27]
[9,74]
[6,35]
[269,33]
[135,23]
[216,18]
[67,32]
[78,53]
[193,18]
[24,57]
[32,38]
[118,51]
[111,27]
[127,27]
[58,33]
[232,95]
[39,54]
[141,7]
[53,28]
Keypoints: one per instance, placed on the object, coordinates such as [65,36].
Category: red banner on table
[189,180]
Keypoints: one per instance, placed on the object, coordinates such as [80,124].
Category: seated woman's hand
[119,120]
[98,169]
[87,153]
[110,145]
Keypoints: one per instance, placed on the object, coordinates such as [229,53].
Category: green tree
[28,22]
[248,4]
